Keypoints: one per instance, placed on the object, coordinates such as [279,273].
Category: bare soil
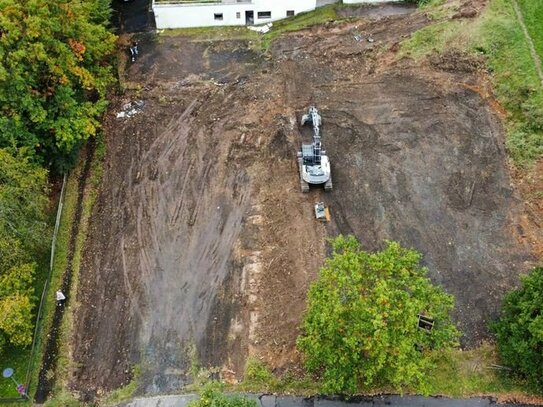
[201,246]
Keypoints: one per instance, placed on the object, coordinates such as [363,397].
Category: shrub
[362,322]
[519,330]
[211,396]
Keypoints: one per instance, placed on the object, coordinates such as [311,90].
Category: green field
[532,12]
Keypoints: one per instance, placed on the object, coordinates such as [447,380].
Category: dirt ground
[201,246]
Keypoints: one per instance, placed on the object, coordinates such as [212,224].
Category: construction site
[212,219]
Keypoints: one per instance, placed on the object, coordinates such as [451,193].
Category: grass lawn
[18,360]
[15,357]
[457,373]
[532,11]
[262,41]
[303,20]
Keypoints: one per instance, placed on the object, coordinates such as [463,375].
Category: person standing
[61,298]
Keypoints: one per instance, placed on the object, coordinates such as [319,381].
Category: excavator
[313,162]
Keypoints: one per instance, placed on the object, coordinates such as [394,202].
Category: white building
[208,13]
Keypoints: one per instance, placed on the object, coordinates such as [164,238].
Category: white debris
[130,109]
[262,29]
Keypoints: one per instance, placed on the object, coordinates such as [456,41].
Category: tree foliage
[519,330]
[211,396]
[361,325]
[22,231]
[22,199]
[53,73]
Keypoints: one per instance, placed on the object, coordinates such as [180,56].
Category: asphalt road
[287,401]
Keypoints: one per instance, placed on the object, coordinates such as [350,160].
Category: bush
[519,330]
[22,229]
[362,322]
[54,73]
[211,396]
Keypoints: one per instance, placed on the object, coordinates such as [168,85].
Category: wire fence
[39,316]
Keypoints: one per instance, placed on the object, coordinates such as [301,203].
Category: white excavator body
[313,163]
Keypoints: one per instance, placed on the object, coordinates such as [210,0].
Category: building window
[290,13]
[264,14]
[217,16]
[238,14]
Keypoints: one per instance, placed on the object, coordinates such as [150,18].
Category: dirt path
[49,361]
[201,247]
[535,56]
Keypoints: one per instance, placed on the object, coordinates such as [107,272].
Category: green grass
[18,358]
[258,378]
[212,33]
[299,22]
[457,374]
[471,373]
[125,392]
[497,36]
[532,11]
[261,42]
[21,357]
[433,38]
[517,84]
[59,266]
[60,392]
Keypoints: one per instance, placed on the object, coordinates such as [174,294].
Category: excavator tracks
[328,184]
[304,186]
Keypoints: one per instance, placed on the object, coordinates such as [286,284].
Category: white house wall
[203,15]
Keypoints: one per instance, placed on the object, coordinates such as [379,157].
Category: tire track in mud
[188,205]
[46,380]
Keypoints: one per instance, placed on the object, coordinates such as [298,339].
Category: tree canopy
[22,226]
[519,330]
[362,322]
[53,74]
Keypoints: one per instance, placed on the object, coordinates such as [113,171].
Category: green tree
[22,230]
[53,74]
[519,330]
[361,327]
[211,396]
[16,277]
[23,199]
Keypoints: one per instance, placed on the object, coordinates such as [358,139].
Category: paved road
[284,401]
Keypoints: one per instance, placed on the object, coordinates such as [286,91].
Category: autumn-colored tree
[53,74]
[362,324]
[22,235]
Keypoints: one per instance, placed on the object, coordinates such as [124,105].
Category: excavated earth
[201,246]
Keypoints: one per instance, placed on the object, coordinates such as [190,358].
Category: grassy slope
[498,36]
[18,358]
[61,395]
[263,41]
[532,11]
